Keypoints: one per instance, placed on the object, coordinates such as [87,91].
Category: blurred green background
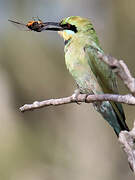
[66,142]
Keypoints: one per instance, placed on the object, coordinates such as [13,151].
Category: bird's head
[73,25]
[70,26]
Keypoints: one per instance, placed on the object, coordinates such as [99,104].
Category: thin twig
[126,139]
[121,70]
[127,99]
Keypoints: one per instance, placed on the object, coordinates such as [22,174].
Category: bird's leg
[76,94]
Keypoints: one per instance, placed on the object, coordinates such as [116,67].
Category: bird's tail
[113,113]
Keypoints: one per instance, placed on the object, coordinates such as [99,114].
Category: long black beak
[52,26]
[39,26]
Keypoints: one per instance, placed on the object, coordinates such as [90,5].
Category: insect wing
[20,26]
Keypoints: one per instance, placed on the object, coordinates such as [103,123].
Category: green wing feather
[107,80]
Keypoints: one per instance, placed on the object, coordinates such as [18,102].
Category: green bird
[91,74]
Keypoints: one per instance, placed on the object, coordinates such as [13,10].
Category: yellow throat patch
[66,34]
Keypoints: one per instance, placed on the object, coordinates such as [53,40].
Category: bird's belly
[81,72]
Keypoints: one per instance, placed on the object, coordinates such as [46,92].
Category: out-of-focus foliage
[66,142]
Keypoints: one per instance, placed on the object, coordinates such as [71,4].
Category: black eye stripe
[69,27]
[73,28]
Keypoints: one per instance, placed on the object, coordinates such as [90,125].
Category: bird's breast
[74,57]
[77,63]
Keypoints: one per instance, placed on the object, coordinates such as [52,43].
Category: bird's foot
[75,96]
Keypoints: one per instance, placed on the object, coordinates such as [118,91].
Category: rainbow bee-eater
[91,74]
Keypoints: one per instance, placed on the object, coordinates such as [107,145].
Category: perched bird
[91,74]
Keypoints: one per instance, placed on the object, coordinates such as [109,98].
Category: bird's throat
[66,34]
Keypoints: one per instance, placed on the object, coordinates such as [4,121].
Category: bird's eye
[92,29]
[65,26]
[68,26]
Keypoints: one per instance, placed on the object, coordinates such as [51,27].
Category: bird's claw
[75,96]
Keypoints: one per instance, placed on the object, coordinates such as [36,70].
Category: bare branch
[127,99]
[121,70]
[127,141]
